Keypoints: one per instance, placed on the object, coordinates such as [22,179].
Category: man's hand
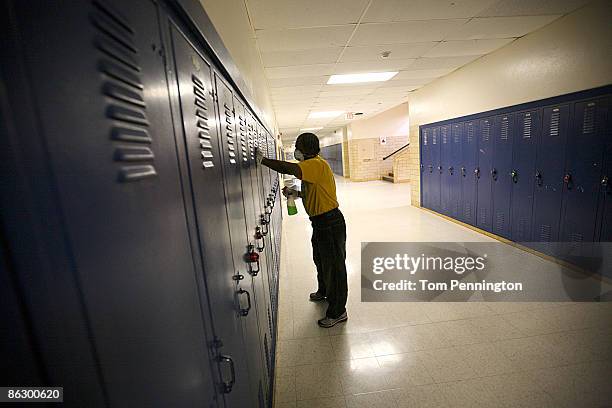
[259,156]
[290,192]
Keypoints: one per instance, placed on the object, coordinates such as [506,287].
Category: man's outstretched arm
[283,167]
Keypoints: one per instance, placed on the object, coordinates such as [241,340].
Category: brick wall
[366,157]
[414,168]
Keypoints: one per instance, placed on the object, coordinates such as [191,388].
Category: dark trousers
[329,254]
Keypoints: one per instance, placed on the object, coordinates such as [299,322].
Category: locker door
[426,168]
[605,223]
[260,243]
[455,170]
[436,175]
[469,154]
[484,175]
[446,176]
[583,170]
[108,131]
[233,146]
[550,168]
[501,178]
[204,152]
[526,136]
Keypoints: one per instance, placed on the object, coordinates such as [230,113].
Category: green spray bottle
[291,207]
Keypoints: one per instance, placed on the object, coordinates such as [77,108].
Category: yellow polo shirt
[318,186]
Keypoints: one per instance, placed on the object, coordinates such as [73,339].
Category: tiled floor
[429,354]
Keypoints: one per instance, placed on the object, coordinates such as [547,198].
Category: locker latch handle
[260,236]
[440,169]
[226,386]
[604,182]
[245,312]
[494,174]
[252,257]
[264,223]
[463,173]
[430,167]
[538,177]
[567,179]
[450,170]
[422,168]
[514,175]
[477,172]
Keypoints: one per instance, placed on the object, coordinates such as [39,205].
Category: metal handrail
[401,148]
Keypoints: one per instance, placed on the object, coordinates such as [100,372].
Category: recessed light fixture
[358,78]
[312,128]
[326,114]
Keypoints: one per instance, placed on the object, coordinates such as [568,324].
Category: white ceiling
[303,42]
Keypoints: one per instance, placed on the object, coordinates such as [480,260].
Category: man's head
[308,144]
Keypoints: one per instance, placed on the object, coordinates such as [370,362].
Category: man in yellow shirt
[328,226]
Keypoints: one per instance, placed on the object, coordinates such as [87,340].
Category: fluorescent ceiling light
[312,128]
[326,114]
[357,78]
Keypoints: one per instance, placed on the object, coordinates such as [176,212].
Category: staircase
[389,178]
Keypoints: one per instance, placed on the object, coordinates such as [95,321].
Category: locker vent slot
[444,131]
[482,216]
[522,229]
[243,138]
[467,211]
[527,126]
[500,221]
[470,132]
[124,91]
[434,136]
[545,233]
[425,138]
[576,237]
[456,134]
[504,128]
[229,131]
[251,142]
[588,120]
[486,131]
[554,122]
[199,101]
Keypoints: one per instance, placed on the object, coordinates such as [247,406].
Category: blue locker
[469,172]
[584,162]
[484,174]
[525,142]
[455,169]
[501,179]
[436,169]
[205,147]
[446,178]
[549,172]
[605,223]
[426,168]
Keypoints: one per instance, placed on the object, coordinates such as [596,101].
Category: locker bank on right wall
[537,173]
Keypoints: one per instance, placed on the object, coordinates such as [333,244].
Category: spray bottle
[291,207]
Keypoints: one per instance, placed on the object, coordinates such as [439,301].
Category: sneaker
[329,322]
[316,297]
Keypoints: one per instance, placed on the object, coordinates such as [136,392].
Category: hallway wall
[571,54]
[232,22]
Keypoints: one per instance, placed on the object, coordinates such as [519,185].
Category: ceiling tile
[397,51]
[422,73]
[379,65]
[303,39]
[531,7]
[290,90]
[300,71]
[404,10]
[499,27]
[301,57]
[285,82]
[405,32]
[467,47]
[442,62]
[332,90]
[268,14]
